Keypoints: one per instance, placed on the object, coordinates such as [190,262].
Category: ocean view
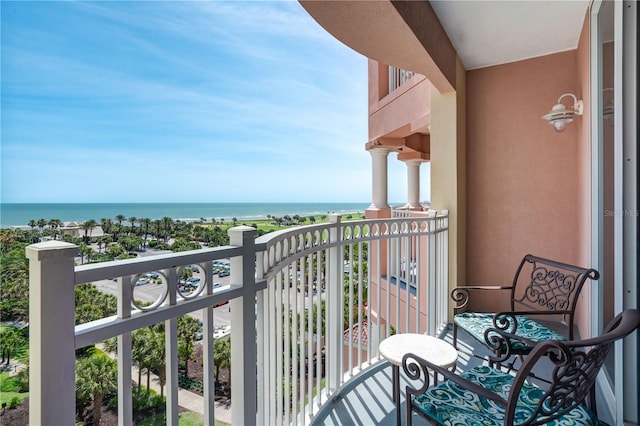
[20,214]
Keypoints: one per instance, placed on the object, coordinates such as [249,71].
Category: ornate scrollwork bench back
[542,305]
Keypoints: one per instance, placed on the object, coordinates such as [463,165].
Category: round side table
[434,350]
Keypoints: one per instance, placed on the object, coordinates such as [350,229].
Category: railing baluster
[125,403]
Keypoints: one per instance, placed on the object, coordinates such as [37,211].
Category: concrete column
[52,356]
[413,184]
[243,328]
[379,178]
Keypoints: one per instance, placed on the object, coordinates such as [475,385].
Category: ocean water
[20,214]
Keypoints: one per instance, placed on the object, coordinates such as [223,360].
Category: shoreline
[220,222]
[18,215]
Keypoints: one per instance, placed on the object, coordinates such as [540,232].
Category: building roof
[355,332]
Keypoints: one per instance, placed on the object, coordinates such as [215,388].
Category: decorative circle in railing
[347,232]
[308,238]
[404,227]
[191,284]
[154,278]
[394,228]
[301,244]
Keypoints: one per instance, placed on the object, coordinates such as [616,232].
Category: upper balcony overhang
[414,147]
[403,34]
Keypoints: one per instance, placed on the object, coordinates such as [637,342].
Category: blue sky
[189,101]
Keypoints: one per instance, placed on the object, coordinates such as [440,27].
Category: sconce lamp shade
[560,115]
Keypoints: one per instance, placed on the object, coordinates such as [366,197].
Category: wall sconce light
[560,115]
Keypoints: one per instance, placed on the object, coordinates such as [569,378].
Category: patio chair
[543,298]
[489,396]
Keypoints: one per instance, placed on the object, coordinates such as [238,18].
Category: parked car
[153,275]
[220,304]
[224,273]
[142,281]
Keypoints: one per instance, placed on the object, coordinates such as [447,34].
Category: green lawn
[185,419]
[21,353]
[267,225]
[9,387]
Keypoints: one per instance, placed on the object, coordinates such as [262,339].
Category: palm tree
[167,222]
[158,225]
[82,251]
[106,225]
[55,224]
[88,226]
[188,328]
[96,376]
[10,340]
[145,223]
[140,347]
[222,357]
[119,218]
[133,221]
[89,252]
[32,223]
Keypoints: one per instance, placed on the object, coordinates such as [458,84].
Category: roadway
[151,292]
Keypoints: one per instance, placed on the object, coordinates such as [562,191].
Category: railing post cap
[334,218]
[51,250]
[241,229]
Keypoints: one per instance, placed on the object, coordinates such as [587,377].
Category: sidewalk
[189,400]
[186,399]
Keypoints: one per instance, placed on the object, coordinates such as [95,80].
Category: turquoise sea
[21,214]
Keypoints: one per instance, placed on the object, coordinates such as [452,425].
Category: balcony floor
[368,400]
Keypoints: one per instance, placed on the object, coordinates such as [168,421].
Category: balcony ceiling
[407,34]
[486,33]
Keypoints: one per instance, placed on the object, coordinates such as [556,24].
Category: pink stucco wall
[522,175]
[403,112]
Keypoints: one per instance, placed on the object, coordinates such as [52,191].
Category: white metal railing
[287,296]
[397,77]
[404,212]
[392,272]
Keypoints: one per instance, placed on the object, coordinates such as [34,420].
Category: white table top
[434,350]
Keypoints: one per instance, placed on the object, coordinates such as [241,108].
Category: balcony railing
[397,77]
[308,307]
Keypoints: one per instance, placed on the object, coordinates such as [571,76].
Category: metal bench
[543,299]
[492,397]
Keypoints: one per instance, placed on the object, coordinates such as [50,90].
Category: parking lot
[147,291]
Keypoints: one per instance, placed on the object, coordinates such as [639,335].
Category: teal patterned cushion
[449,404]
[476,324]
